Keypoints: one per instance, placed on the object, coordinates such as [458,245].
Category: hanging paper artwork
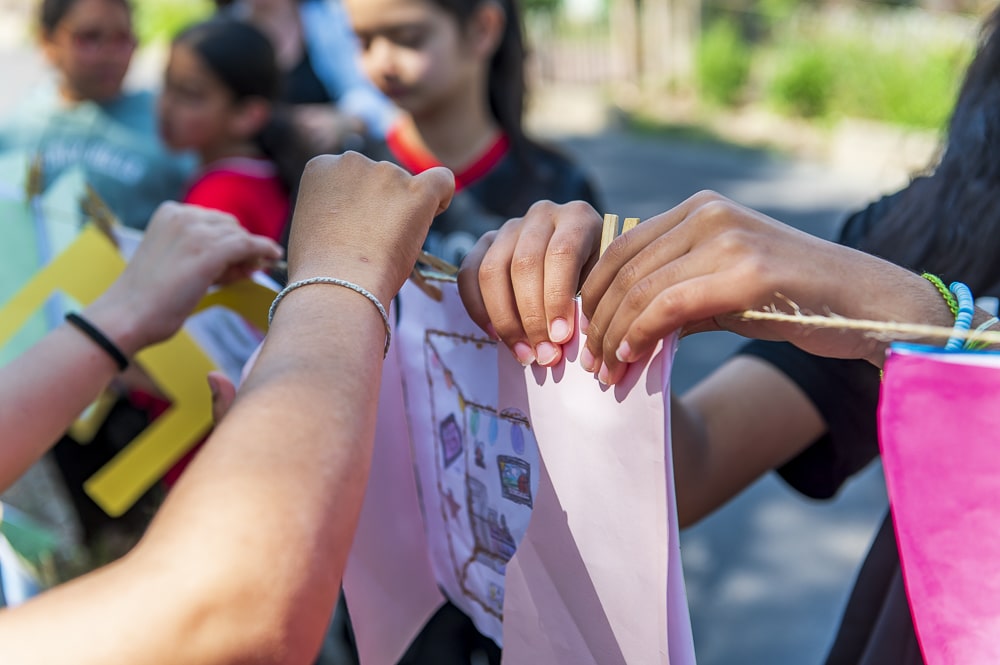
[510,492]
[938,421]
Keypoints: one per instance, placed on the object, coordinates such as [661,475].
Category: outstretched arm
[184,251]
[243,562]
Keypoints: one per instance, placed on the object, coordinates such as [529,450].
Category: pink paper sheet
[389,584]
[597,579]
[938,422]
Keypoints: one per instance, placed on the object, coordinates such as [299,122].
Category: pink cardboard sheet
[570,559]
[388,583]
[938,421]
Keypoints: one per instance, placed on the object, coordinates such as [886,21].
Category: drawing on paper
[484,454]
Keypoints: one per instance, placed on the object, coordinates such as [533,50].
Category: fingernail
[624,352]
[587,359]
[546,353]
[213,387]
[559,331]
[584,323]
[524,354]
[491,332]
[603,375]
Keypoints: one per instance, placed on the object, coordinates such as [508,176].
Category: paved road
[768,574]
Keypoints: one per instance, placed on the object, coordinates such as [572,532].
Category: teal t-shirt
[115,144]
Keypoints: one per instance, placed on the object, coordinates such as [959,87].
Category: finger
[634,256]
[617,347]
[631,287]
[627,245]
[527,276]
[223,394]
[498,292]
[573,247]
[239,254]
[440,182]
[469,287]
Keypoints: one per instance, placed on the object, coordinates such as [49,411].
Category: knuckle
[525,264]
[565,249]
[638,296]
[705,196]
[492,269]
[626,277]
[543,208]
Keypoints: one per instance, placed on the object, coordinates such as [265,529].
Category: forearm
[47,387]
[740,422]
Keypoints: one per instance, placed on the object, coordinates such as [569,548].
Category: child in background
[86,119]
[219,100]
[456,67]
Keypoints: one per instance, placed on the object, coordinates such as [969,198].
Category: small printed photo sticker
[451,440]
[515,479]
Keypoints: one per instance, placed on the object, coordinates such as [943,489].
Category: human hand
[695,266]
[185,250]
[363,221]
[518,283]
[223,395]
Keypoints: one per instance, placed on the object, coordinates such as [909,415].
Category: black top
[505,192]
[876,626]
[302,86]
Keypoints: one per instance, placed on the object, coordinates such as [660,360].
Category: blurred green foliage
[723,62]
[160,20]
[801,64]
[905,84]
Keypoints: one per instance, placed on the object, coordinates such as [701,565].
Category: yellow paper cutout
[246,297]
[177,366]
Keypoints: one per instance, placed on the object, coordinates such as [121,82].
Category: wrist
[359,271]
[120,323]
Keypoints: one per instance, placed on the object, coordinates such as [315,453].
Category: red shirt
[417,161]
[249,189]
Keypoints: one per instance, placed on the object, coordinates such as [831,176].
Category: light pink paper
[939,419]
[389,584]
[597,579]
[603,584]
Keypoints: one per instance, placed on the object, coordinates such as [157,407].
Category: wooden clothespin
[33,185]
[610,231]
[436,265]
[98,211]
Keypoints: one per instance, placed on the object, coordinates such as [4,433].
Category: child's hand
[363,221]
[185,250]
[690,268]
[518,283]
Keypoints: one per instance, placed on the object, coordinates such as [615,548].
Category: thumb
[441,183]
[223,394]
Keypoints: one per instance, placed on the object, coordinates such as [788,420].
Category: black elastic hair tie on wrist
[99,338]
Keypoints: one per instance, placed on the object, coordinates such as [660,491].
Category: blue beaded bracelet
[963,319]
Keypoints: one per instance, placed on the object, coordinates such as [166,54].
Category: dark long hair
[945,222]
[52,12]
[243,59]
[506,74]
